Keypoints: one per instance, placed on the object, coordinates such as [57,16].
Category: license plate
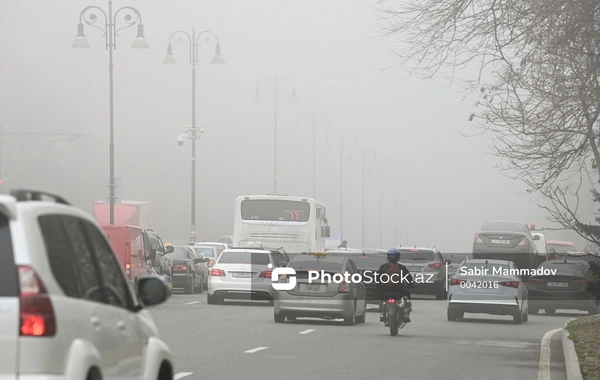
[558,284]
[500,241]
[414,269]
[241,274]
[313,287]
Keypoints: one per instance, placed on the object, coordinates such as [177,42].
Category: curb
[572,367]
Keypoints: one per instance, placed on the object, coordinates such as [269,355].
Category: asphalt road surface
[240,340]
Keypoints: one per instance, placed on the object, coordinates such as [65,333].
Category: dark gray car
[506,240]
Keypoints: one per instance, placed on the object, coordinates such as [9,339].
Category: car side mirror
[282,264]
[169,249]
[536,237]
[198,261]
[152,255]
[152,291]
[526,278]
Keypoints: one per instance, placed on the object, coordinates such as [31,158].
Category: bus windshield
[275,210]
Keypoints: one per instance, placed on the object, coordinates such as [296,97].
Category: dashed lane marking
[306,332]
[255,350]
[181,375]
[191,303]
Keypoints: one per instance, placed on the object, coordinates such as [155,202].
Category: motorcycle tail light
[391,300]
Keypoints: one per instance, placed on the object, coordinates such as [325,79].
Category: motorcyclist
[396,284]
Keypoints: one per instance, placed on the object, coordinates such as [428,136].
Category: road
[240,340]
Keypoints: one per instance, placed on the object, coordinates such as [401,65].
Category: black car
[365,262]
[186,274]
[565,288]
[506,240]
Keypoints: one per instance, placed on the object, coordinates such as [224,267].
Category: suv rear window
[419,255]
[8,270]
[503,226]
[253,258]
[369,262]
[577,268]
[328,266]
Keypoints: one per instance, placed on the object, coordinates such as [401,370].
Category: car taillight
[534,281]
[344,288]
[477,240]
[180,268]
[391,300]
[510,284]
[217,273]
[456,281]
[265,274]
[525,241]
[128,271]
[435,265]
[37,313]
[580,282]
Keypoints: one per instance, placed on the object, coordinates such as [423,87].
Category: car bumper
[180,280]
[484,308]
[321,307]
[237,290]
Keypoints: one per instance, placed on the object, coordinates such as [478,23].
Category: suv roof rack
[24,195]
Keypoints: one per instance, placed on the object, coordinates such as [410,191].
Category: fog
[445,186]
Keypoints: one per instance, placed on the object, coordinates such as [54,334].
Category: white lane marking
[191,303]
[497,343]
[255,350]
[181,375]
[544,371]
[306,332]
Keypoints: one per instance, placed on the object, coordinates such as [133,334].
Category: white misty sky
[445,184]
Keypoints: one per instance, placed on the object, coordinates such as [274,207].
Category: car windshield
[179,253]
[319,264]
[416,255]
[205,252]
[253,258]
[503,226]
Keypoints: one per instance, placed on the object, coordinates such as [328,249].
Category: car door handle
[95,321]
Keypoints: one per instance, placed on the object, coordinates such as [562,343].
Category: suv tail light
[510,284]
[344,288]
[180,268]
[456,281]
[128,271]
[265,274]
[217,273]
[477,240]
[391,300]
[437,265]
[525,241]
[580,282]
[36,311]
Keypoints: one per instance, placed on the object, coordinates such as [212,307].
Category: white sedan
[487,287]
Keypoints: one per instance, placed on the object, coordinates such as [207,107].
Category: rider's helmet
[393,255]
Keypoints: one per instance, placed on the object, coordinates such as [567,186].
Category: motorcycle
[396,311]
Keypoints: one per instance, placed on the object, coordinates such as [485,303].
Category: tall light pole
[275,85]
[131,17]
[193,43]
[314,116]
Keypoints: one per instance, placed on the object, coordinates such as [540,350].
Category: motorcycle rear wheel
[393,325]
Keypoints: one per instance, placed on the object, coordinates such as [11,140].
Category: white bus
[297,224]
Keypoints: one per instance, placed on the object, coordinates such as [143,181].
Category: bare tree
[539,80]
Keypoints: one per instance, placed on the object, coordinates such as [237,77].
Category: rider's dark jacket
[395,287]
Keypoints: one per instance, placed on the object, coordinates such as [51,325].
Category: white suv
[66,309]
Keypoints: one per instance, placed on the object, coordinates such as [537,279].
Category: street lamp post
[314,115]
[111,32]
[275,85]
[193,42]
